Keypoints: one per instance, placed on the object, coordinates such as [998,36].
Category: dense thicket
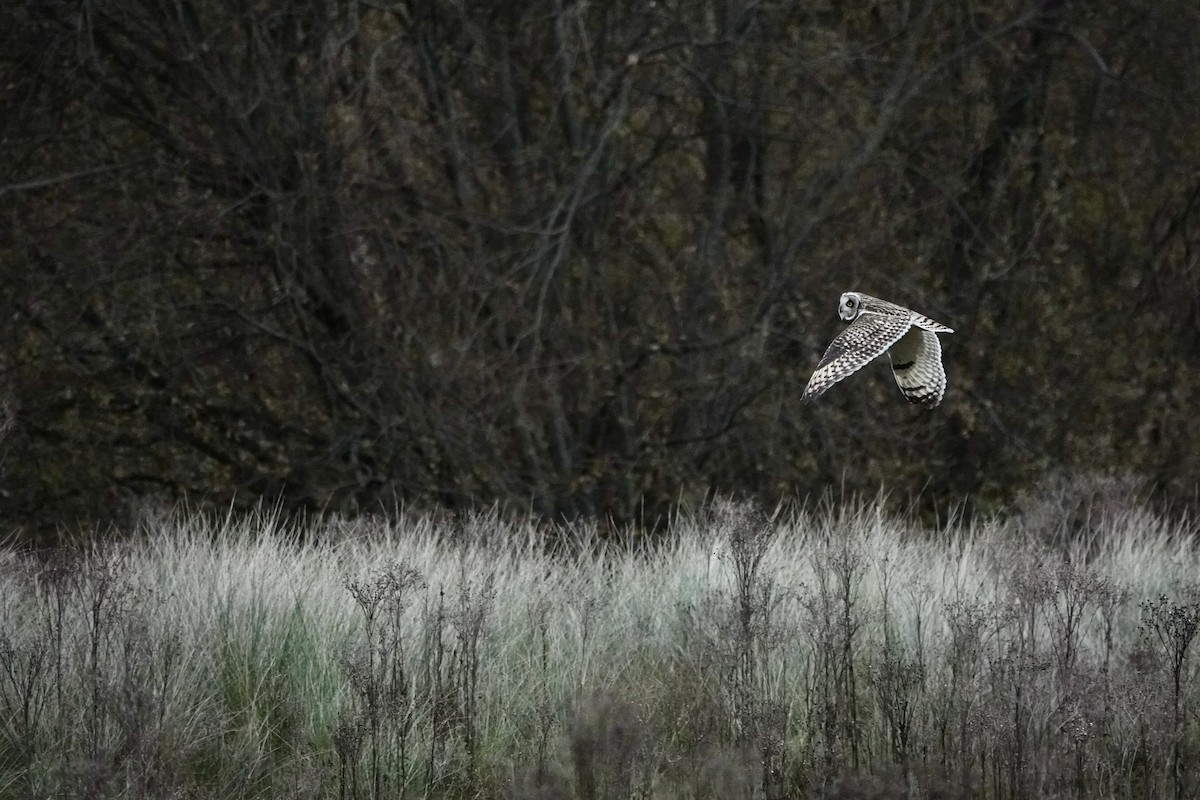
[581,257]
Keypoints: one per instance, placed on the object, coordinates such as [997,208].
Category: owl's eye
[850,302]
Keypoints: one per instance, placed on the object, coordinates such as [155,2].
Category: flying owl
[877,326]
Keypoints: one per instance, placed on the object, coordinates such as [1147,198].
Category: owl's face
[850,306]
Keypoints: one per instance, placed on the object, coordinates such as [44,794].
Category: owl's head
[851,305]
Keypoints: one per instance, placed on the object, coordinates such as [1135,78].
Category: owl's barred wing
[867,338]
[922,321]
[917,364]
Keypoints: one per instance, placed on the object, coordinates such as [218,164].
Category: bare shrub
[1168,629]
[380,675]
[1072,508]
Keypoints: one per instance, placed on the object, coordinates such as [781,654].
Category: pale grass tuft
[475,655]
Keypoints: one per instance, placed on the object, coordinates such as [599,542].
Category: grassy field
[837,652]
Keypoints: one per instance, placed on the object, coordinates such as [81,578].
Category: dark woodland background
[581,257]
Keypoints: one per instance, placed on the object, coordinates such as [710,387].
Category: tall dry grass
[836,652]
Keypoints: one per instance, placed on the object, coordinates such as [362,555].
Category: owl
[877,326]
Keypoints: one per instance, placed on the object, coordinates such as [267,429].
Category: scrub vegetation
[827,652]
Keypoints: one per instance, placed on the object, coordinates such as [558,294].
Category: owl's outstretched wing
[917,364]
[865,339]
